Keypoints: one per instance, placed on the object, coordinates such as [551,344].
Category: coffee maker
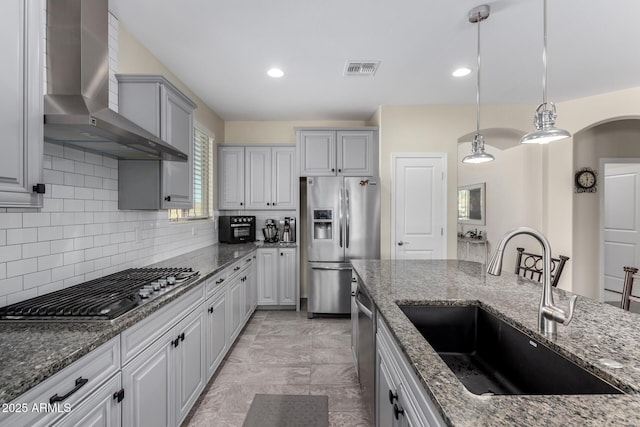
[288,225]
[270,231]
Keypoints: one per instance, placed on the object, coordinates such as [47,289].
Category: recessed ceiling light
[461,72]
[275,73]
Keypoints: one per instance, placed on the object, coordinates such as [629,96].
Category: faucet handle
[572,306]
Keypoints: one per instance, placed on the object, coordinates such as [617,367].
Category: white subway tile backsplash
[53,177]
[60,164]
[80,234]
[10,253]
[73,257]
[74,179]
[61,273]
[22,267]
[49,262]
[62,245]
[36,219]
[49,233]
[10,220]
[22,235]
[30,250]
[62,192]
[36,279]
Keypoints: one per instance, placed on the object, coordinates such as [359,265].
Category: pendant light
[545,117]
[478,155]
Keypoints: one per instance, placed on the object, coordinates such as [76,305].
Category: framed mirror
[471,204]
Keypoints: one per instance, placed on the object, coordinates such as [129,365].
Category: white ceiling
[222,50]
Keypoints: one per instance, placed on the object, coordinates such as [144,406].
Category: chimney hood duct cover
[76,106]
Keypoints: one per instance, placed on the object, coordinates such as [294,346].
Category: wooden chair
[530,266]
[629,276]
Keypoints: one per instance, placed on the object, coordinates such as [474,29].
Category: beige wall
[273,132]
[434,129]
[134,58]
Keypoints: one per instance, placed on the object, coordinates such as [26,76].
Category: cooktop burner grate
[104,298]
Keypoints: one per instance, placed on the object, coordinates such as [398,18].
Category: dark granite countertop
[598,331]
[262,244]
[32,352]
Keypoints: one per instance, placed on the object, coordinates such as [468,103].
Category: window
[202,179]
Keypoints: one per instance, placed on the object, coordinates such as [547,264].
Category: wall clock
[586,181]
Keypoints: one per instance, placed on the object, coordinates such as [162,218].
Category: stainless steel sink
[490,356]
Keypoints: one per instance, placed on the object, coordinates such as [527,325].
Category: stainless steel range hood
[76,106]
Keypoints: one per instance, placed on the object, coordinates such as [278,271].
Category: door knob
[400,243]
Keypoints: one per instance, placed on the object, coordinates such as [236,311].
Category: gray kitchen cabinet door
[356,153]
[148,381]
[250,287]
[284,178]
[258,173]
[317,152]
[386,393]
[101,409]
[287,276]
[21,109]
[268,276]
[155,104]
[230,177]
[216,331]
[177,177]
[190,362]
[236,303]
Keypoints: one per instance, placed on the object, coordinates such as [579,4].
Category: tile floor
[283,352]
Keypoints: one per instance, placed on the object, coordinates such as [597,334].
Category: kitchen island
[598,331]
[31,352]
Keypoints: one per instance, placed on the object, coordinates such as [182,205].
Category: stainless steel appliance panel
[325,228]
[362,218]
[329,288]
[366,350]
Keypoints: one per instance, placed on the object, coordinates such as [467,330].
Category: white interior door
[621,237]
[418,203]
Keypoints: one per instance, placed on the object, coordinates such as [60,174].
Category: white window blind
[202,179]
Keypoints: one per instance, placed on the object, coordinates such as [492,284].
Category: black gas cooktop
[101,299]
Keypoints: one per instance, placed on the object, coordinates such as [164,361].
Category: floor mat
[287,410]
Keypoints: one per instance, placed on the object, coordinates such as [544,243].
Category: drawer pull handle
[397,411]
[236,269]
[219,281]
[79,383]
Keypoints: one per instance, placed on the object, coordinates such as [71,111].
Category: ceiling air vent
[361,68]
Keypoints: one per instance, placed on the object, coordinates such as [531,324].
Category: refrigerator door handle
[346,194]
[340,216]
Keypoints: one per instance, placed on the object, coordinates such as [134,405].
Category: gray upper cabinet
[257,177]
[158,106]
[21,109]
[343,152]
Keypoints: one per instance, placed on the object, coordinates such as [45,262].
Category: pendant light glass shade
[545,117]
[478,155]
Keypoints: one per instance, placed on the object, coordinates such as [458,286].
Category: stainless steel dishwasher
[366,349]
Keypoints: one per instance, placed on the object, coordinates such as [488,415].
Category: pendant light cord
[478,80]
[544,52]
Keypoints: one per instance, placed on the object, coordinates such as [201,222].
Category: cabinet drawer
[215,283]
[142,334]
[69,385]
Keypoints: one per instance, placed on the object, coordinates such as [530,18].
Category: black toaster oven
[236,229]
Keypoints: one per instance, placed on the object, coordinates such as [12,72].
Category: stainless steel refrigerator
[343,223]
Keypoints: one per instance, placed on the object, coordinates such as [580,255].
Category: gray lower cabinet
[277,279]
[400,398]
[216,330]
[21,124]
[158,106]
[162,383]
[237,304]
[99,410]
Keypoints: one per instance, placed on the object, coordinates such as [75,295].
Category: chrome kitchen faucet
[548,314]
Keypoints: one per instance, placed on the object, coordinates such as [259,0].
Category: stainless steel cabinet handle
[346,197]
[363,309]
[331,268]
